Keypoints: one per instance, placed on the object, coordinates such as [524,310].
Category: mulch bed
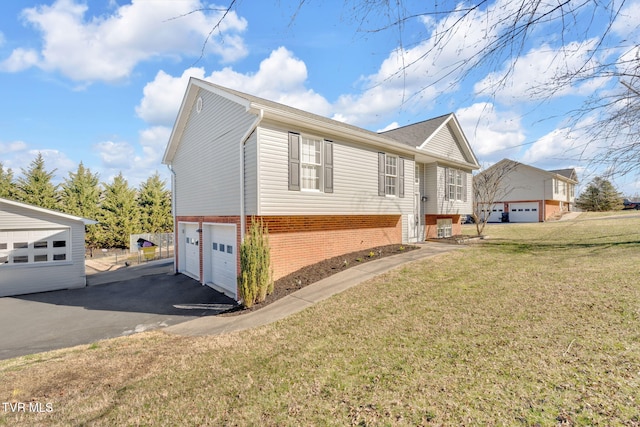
[316,272]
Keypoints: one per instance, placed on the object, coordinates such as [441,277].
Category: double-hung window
[456,188]
[311,163]
[390,175]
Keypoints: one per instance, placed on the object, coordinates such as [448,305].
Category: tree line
[119,208]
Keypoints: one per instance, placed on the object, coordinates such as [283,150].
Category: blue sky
[101,81]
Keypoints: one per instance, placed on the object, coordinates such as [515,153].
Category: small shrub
[372,254]
[255,281]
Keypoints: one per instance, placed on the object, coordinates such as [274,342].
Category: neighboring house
[530,194]
[323,188]
[40,249]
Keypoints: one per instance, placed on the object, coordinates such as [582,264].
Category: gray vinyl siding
[36,277]
[355,179]
[207,161]
[435,187]
[444,144]
[251,175]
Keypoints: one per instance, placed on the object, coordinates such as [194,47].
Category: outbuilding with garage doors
[40,249]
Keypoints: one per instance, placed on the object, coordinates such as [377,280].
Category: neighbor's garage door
[523,212]
[191,245]
[222,250]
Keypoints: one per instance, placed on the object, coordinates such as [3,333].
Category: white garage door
[221,253]
[496,213]
[191,252]
[523,212]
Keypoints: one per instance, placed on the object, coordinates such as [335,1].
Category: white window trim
[444,227]
[318,166]
[455,185]
[387,175]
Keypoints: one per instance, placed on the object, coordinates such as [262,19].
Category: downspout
[173,216]
[244,138]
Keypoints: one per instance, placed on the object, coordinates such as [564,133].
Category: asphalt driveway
[116,303]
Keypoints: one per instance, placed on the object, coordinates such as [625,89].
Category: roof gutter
[243,140]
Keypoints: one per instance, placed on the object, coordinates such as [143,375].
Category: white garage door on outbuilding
[524,212]
[40,249]
[220,257]
[189,247]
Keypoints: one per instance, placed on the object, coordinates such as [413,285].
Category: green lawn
[537,325]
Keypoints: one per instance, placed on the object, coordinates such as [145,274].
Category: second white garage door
[523,212]
[220,256]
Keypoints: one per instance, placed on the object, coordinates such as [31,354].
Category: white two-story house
[324,188]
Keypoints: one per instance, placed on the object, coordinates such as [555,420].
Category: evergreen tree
[600,195]
[155,206]
[119,214]
[35,186]
[7,185]
[80,196]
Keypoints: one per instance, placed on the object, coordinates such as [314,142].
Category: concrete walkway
[307,296]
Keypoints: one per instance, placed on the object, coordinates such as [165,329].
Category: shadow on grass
[529,247]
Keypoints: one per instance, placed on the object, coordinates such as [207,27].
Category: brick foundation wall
[431,225]
[298,241]
[551,208]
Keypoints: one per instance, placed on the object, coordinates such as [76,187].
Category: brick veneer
[298,241]
[431,225]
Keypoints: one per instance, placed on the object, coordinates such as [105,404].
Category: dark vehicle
[468,219]
[629,204]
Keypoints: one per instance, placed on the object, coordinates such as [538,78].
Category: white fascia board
[466,147]
[349,133]
[183,113]
[85,221]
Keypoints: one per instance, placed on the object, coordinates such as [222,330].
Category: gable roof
[264,108]
[568,175]
[85,221]
[419,135]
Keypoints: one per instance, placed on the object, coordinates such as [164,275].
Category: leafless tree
[590,52]
[490,185]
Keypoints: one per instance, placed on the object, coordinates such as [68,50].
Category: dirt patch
[323,269]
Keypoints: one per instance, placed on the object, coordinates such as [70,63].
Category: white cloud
[20,59]
[162,96]
[390,126]
[136,161]
[415,78]
[153,142]
[12,147]
[493,135]
[626,22]
[538,74]
[281,78]
[107,48]
[116,155]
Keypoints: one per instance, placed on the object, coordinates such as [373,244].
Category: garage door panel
[222,257]
[524,212]
[191,246]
